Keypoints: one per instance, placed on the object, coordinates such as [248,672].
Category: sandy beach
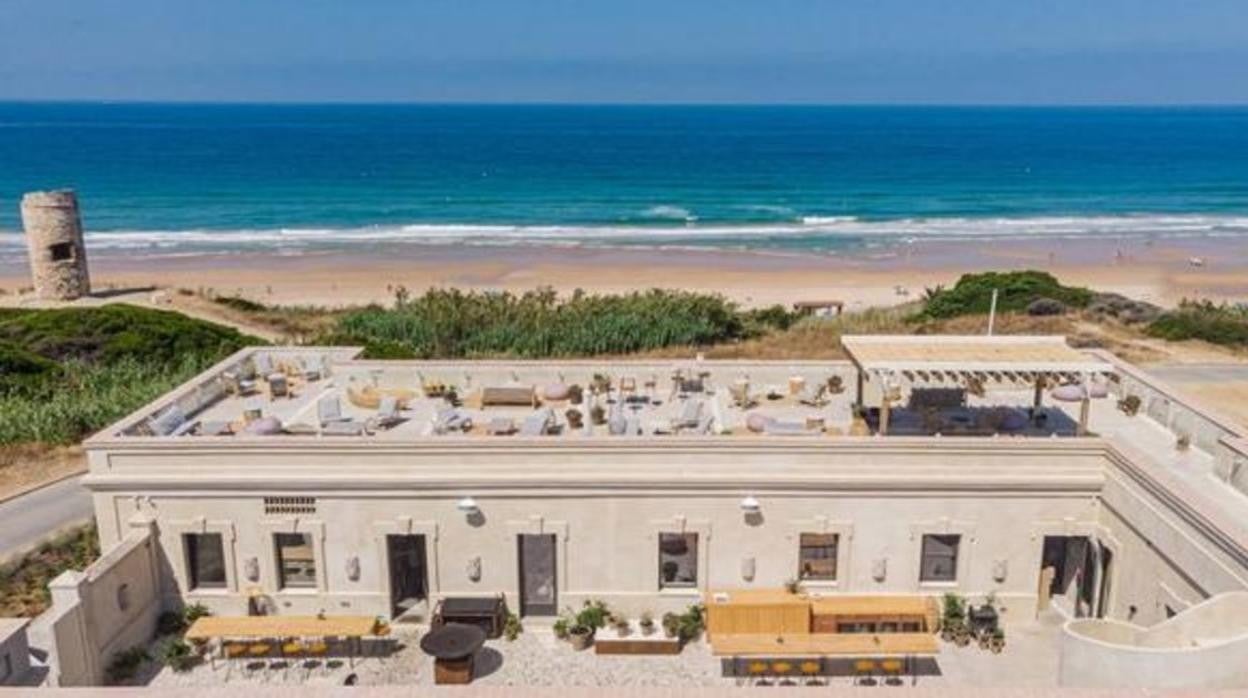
[1159,271]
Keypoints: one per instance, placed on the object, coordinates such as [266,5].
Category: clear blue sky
[877,51]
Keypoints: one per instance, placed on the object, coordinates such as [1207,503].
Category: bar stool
[891,668]
[758,672]
[381,631]
[317,650]
[292,652]
[233,652]
[864,671]
[811,669]
[257,653]
[782,669]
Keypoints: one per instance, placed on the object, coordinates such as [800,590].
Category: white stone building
[282,480]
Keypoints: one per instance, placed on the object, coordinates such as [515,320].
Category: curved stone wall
[1205,646]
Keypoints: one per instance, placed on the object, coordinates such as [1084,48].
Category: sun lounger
[814,395]
[264,364]
[501,426]
[348,428]
[214,428]
[779,428]
[538,424]
[313,367]
[617,423]
[171,422]
[690,416]
[509,396]
[387,413]
[238,385]
[451,419]
[329,409]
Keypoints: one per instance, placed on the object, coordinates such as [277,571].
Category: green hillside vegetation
[67,372]
[972,294]
[536,324]
[1217,323]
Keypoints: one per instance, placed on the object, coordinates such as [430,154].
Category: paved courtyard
[538,659]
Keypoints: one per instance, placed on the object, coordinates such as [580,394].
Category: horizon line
[606,103]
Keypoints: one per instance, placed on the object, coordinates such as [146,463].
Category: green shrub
[512,627]
[593,615]
[24,582]
[194,612]
[456,324]
[126,664]
[1016,290]
[1217,323]
[170,622]
[179,656]
[118,331]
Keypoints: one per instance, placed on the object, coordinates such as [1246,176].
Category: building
[309,480]
[55,246]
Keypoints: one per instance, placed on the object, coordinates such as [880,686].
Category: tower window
[61,251]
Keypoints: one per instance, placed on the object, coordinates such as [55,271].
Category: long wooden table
[825,644]
[779,612]
[280,626]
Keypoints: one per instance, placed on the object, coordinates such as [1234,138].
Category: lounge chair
[740,394]
[617,423]
[538,424]
[690,416]
[333,421]
[313,367]
[778,428]
[171,422]
[451,419]
[264,365]
[329,409]
[814,395]
[501,426]
[387,413]
[236,384]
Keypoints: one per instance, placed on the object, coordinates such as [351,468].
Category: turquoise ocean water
[823,179]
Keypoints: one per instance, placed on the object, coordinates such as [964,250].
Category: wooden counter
[280,626]
[825,644]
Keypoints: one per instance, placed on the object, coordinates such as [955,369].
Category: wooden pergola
[962,361]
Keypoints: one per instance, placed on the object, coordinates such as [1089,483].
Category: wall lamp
[750,504]
[468,505]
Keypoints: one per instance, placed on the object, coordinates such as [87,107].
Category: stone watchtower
[58,257]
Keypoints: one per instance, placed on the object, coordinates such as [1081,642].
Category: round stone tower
[58,257]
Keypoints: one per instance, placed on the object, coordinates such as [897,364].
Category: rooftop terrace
[268,393]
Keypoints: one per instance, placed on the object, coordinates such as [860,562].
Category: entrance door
[537,575]
[409,581]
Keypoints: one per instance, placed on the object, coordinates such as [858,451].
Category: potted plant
[179,656]
[671,624]
[1129,405]
[953,619]
[646,623]
[579,636]
[575,419]
[512,627]
[598,415]
[621,625]
[576,394]
[561,627]
[996,642]
[691,623]
[601,384]
[792,585]
[1183,442]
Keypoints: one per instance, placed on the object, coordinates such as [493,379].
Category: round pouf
[757,423]
[556,391]
[1068,393]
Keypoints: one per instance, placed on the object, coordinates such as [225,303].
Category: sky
[628,51]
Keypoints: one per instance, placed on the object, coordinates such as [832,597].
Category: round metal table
[453,647]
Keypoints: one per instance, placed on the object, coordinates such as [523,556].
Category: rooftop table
[778,612]
[280,626]
[825,644]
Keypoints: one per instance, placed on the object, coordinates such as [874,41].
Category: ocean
[167,177]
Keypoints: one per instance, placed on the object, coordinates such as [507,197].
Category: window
[816,557]
[61,251]
[940,558]
[678,560]
[205,560]
[296,563]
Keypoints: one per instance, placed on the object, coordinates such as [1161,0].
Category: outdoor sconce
[999,570]
[747,569]
[353,568]
[251,569]
[468,506]
[474,569]
[750,505]
[879,569]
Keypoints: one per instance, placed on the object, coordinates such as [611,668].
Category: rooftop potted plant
[671,624]
[646,623]
[621,625]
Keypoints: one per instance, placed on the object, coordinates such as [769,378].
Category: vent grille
[290,505]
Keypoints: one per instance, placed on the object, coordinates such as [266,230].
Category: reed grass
[457,324]
[86,397]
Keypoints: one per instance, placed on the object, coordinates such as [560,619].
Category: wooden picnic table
[280,626]
[825,644]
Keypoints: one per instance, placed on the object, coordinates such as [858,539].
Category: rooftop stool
[292,651]
[233,651]
[811,669]
[892,668]
[313,650]
[758,671]
[783,669]
[864,672]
